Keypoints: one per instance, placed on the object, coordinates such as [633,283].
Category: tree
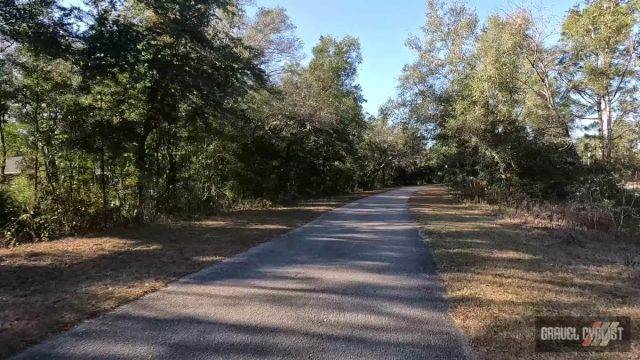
[42,26]
[391,153]
[443,52]
[329,102]
[6,92]
[304,134]
[47,89]
[185,66]
[272,34]
[600,39]
[491,102]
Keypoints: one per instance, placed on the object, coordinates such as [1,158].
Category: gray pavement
[357,283]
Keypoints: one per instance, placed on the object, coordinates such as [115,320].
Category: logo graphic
[601,334]
[593,334]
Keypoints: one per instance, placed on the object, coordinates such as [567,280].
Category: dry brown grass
[48,287]
[500,273]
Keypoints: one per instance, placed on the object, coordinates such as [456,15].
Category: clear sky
[382,27]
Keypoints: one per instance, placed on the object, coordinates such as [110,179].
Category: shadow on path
[356,283]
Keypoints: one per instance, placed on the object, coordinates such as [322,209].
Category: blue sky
[382,27]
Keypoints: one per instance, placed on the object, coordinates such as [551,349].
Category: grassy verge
[500,273]
[48,287]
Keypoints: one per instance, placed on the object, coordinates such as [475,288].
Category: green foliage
[182,108]
[8,208]
[153,108]
[599,184]
[304,132]
[500,104]
[609,24]
[31,227]
[599,40]
[391,154]
[22,192]
[39,25]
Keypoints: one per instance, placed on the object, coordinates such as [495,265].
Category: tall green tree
[600,37]
[444,51]
[391,153]
[6,97]
[307,130]
[42,26]
[185,66]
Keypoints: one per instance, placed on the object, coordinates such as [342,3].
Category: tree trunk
[607,125]
[601,128]
[141,150]
[36,180]
[3,150]
[36,166]
[141,163]
[172,173]
[51,162]
[103,184]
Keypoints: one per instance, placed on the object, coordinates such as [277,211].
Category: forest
[124,111]
[521,113]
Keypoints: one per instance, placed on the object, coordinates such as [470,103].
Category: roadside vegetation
[538,142]
[131,111]
[548,128]
[501,271]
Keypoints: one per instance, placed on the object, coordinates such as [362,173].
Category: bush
[21,192]
[602,191]
[53,219]
[598,188]
[597,201]
[8,208]
[31,227]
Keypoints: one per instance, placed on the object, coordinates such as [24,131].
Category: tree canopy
[508,111]
[123,110]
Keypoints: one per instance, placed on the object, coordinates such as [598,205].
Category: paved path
[357,283]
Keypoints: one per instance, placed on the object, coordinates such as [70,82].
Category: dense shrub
[597,200]
[8,210]
[30,227]
[51,217]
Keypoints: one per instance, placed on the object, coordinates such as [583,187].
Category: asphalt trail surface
[357,283]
